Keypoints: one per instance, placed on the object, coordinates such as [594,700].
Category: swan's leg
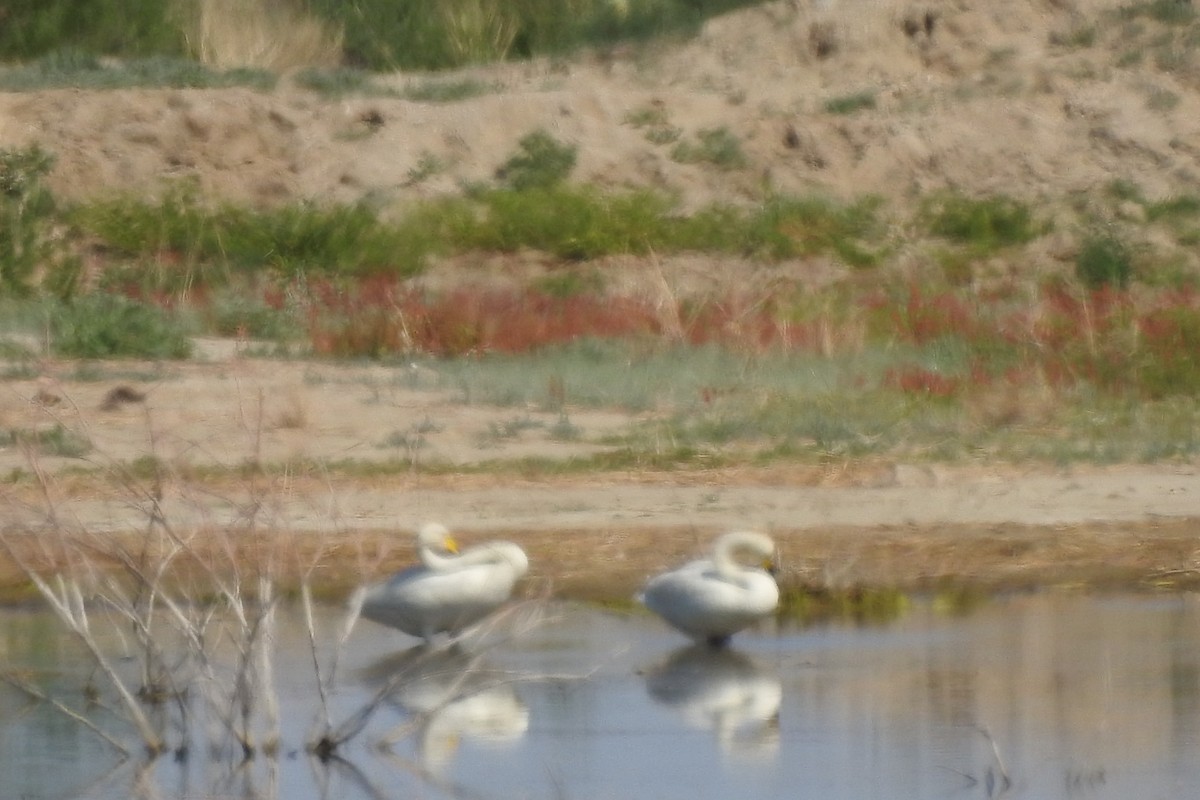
[717,642]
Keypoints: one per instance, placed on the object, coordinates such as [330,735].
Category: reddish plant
[918,380]
[925,318]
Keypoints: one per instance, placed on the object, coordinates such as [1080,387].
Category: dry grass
[267,34]
[292,413]
[563,562]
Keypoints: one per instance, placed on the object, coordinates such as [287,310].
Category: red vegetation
[917,380]
[1065,335]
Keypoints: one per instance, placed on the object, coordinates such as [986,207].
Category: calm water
[1035,697]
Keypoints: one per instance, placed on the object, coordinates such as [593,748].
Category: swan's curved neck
[438,562]
[442,562]
[723,552]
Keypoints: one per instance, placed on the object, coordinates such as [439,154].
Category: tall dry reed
[277,35]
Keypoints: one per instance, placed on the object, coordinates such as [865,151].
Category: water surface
[1044,696]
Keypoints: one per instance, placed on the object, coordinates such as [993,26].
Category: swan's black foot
[717,642]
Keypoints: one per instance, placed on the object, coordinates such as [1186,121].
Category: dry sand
[982,99]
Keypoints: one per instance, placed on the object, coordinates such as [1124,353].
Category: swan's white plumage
[447,591]
[713,598]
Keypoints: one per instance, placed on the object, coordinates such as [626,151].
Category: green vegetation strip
[1060,367]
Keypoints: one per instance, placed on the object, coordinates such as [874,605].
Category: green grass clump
[442,34]
[1170,12]
[238,310]
[861,606]
[578,223]
[1167,366]
[447,91]
[426,167]
[656,123]
[27,219]
[380,35]
[652,116]
[1180,207]
[570,283]
[786,227]
[574,224]
[813,425]
[850,103]
[24,210]
[75,69]
[1104,260]
[986,224]
[105,326]
[541,161]
[716,146]
[804,226]
[1075,37]
[212,242]
[352,81]
[338,82]
[54,441]
[33,28]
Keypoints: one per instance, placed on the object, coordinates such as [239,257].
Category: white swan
[447,591]
[713,598]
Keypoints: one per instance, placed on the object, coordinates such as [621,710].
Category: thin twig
[38,694]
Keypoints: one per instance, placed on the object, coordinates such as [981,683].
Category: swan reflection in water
[451,694]
[723,691]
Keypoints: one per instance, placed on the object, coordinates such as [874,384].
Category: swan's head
[435,536]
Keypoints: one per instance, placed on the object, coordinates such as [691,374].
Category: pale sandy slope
[999,97]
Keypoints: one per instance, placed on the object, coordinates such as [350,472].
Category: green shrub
[581,222]
[792,226]
[33,28]
[1124,189]
[426,167]
[541,161]
[667,134]
[849,103]
[986,223]
[211,242]
[653,116]
[716,146]
[1181,207]
[377,34]
[573,223]
[26,219]
[1076,36]
[1103,261]
[440,34]
[107,325]
[1170,12]
[785,227]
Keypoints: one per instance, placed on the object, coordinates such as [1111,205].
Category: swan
[711,599]
[448,591]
